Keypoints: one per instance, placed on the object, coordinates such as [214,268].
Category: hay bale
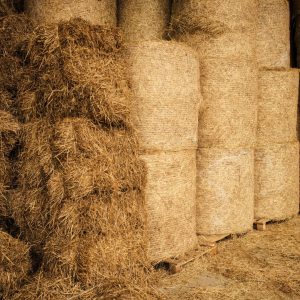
[213,16]
[277,106]
[143,20]
[53,11]
[165,82]
[229,45]
[276,181]
[228,115]
[273,34]
[78,70]
[14,264]
[225,191]
[170,201]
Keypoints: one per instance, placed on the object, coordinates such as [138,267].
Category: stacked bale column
[223,33]
[277,149]
[165,81]
[79,133]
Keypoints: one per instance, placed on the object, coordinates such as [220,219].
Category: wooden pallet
[211,240]
[260,225]
[175,265]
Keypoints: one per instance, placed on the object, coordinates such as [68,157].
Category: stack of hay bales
[143,20]
[223,33]
[165,81]
[277,149]
[80,195]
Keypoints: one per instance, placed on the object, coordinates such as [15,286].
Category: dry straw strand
[52,11]
[225,191]
[143,20]
[165,82]
[277,181]
[273,34]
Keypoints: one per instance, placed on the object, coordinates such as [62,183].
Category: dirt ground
[259,265]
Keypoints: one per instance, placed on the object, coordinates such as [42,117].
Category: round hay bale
[277,106]
[277,181]
[170,202]
[225,191]
[273,34]
[165,81]
[52,11]
[231,45]
[143,20]
[228,115]
[213,16]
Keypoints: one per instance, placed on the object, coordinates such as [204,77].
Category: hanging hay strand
[213,16]
[277,181]
[78,70]
[143,20]
[273,35]
[165,82]
[170,202]
[228,115]
[53,11]
[277,106]
[14,264]
[225,191]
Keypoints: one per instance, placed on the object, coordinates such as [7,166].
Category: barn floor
[260,265]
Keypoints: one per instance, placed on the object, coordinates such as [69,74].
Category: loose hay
[273,34]
[228,115]
[213,16]
[277,181]
[143,20]
[225,191]
[277,106]
[77,70]
[165,82]
[14,263]
[170,201]
[96,12]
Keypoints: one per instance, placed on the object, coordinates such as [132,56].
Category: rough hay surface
[273,34]
[165,82]
[277,106]
[77,70]
[143,20]
[277,181]
[53,11]
[170,202]
[260,265]
[229,111]
[230,45]
[213,16]
[14,263]
[225,191]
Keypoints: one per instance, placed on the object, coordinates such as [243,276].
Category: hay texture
[143,20]
[170,201]
[165,81]
[225,191]
[76,70]
[228,115]
[277,106]
[52,11]
[277,181]
[213,16]
[273,34]
[14,263]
